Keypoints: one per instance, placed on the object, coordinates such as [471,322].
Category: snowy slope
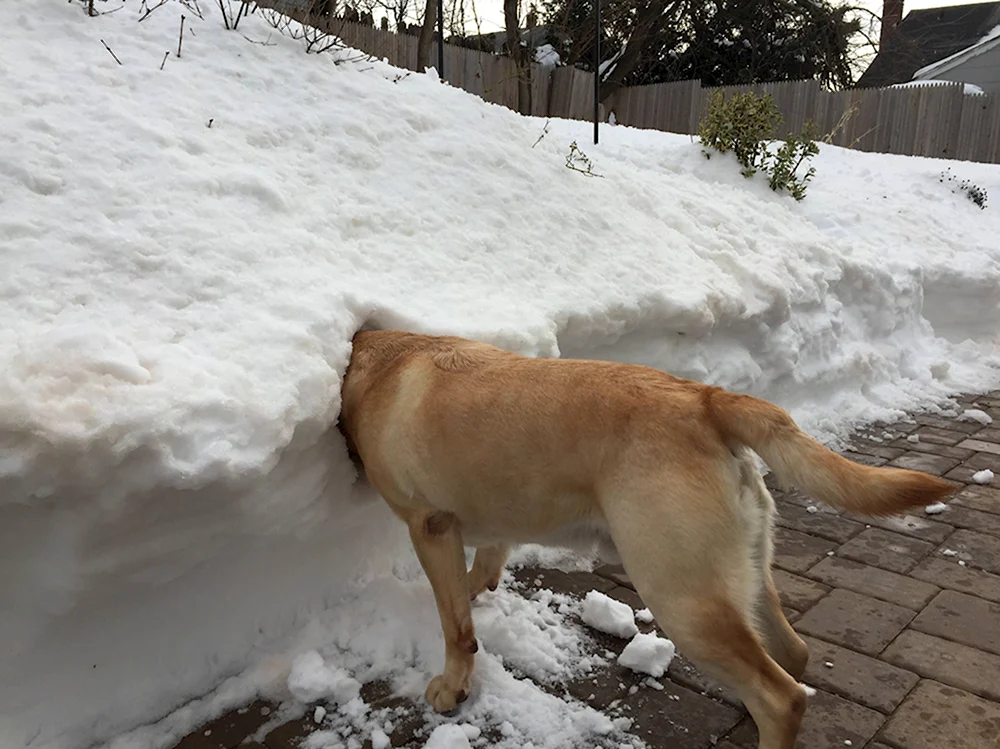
[186,252]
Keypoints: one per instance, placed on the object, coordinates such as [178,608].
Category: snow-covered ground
[186,247]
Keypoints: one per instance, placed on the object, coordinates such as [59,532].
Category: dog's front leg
[438,542]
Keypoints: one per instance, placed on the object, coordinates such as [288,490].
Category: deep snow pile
[185,253]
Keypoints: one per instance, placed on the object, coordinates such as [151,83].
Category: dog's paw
[442,697]
[478,584]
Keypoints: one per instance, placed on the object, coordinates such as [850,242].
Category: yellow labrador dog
[474,446]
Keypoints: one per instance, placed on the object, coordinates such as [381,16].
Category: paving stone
[938,436]
[606,686]
[290,735]
[874,582]
[991,434]
[796,498]
[982,498]
[977,550]
[936,716]
[797,592]
[773,485]
[229,730]
[947,573]
[890,551]
[883,449]
[829,722]
[936,448]
[684,672]
[854,621]
[964,517]
[947,662]
[947,424]
[409,719]
[973,465]
[856,677]
[616,573]
[960,618]
[677,717]
[573,583]
[917,526]
[961,474]
[979,445]
[822,524]
[797,552]
[982,460]
[868,460]
[938,465]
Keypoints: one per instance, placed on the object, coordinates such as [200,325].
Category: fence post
[597,65]
[440,10]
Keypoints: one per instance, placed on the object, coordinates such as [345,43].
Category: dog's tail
[801,461]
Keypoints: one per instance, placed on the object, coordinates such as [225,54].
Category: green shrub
[746,125]
[785,162]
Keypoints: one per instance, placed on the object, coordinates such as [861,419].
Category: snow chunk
[379,739]
[311,680]
[648,654]
[984,476]
[644,615]
[975,414]
[608,615]
[448,736]
[471,732]
[913,438]
[936,509]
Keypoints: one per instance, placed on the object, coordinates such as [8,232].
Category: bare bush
[316,25]
[231,16]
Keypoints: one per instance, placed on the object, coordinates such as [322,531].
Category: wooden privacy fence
[936,120]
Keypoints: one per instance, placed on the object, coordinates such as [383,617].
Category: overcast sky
[491,11]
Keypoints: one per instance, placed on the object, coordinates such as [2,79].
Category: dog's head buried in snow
[474,446]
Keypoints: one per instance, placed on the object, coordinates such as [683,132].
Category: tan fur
[473,446]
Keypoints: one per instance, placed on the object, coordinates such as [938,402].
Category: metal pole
[441,39]
[597,64]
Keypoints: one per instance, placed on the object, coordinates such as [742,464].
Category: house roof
[929,36]
[988,42]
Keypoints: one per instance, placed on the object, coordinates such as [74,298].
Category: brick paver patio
[901,615]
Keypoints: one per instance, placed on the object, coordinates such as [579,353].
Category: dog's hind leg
[686,547]
[438,542]
[781,641]
[719,640]
[487,568]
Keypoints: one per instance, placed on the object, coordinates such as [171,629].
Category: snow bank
[187,251]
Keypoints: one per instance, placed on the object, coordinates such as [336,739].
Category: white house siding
[982,69]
